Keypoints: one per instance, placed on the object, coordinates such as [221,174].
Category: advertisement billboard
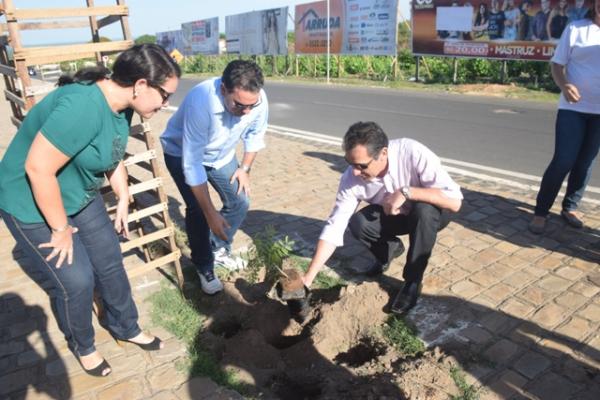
[200,37]
[366,27]
[507,29]
[170,40]
[257,32]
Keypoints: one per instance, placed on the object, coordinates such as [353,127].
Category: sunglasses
[242,107]
[163,93]
[360,166]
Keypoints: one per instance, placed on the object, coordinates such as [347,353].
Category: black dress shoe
[407,297]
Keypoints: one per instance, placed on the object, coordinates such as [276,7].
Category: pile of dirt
[337,352]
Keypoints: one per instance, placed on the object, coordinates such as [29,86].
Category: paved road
[506,134]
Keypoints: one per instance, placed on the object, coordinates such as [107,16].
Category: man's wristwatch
[246,168]
[405,190]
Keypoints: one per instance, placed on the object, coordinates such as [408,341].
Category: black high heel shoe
[152,346]
[98,370]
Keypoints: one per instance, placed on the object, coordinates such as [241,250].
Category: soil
[336,353]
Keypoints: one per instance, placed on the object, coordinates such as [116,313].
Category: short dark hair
[243,74]
[367,134]
[143,61]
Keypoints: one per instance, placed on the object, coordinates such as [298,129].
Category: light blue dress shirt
[203,133]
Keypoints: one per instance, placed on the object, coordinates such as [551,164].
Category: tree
[145,39]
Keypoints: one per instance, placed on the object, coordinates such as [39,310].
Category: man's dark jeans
[97,262]
[235,208]
[379,232]
[576,146]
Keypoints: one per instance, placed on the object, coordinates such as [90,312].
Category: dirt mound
[337,353]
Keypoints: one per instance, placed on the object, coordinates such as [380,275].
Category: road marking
[450,164]
[333,140]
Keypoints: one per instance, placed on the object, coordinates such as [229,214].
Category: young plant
[268,253]
[467,392]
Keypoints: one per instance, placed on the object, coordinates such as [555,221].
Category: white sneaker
[209,282]
[226,260]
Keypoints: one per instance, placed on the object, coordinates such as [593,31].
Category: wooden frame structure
[149,211]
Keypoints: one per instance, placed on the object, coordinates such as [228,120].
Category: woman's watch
[405,190]
[246,168]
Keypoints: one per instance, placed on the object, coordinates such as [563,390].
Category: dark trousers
[379,232]
[235,208]
[97,262]
[575,148]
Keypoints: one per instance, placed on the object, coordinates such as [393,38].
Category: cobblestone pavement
[528,305]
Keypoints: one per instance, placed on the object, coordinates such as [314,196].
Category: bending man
[408,192]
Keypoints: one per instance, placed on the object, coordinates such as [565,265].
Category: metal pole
[328,42]
[417,68]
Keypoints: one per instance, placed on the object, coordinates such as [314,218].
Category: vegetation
[467,392]
[323,280]
[402,336]
[171,310]
[145,39]
[268,253]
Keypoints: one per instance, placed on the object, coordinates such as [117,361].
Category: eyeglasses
[241,107]
[163,93]
[361,166]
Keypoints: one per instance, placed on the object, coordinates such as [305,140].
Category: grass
[178,315]
[323,280]
[402,336]
[467,392]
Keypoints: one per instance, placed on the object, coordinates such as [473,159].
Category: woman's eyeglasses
[163,93]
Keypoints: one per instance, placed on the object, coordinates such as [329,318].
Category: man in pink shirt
[407,191]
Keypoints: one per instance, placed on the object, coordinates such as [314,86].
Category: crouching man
[408,193]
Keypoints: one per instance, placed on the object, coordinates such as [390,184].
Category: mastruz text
[520,51]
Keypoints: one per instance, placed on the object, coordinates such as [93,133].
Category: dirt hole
[227,328]
[298,389]
[366,350]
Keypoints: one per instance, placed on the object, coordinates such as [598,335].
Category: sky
[151,16]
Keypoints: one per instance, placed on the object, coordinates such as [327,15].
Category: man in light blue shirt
[199,145]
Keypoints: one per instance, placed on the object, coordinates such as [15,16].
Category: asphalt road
[510,135]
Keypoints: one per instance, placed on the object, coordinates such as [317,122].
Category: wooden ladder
[149,211]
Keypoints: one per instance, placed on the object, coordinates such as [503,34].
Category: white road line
[322,138]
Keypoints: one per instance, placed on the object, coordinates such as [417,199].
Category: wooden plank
[10,96]
[30,26]
[16,122]
[147,238]
[140,129]
[146,212]
[25,53]
[145,186]
[55,58]
[108,20]
[140,157]
[159,262]
[52,13]
[8,70]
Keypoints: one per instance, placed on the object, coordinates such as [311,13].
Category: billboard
[507,29]
[355,27]
[200,37]
[170,40]
[257,32]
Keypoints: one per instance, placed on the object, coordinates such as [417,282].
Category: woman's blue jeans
[576,146]
[235,207]
[97,262]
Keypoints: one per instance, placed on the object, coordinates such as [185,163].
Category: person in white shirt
[408,192]
[575,68]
